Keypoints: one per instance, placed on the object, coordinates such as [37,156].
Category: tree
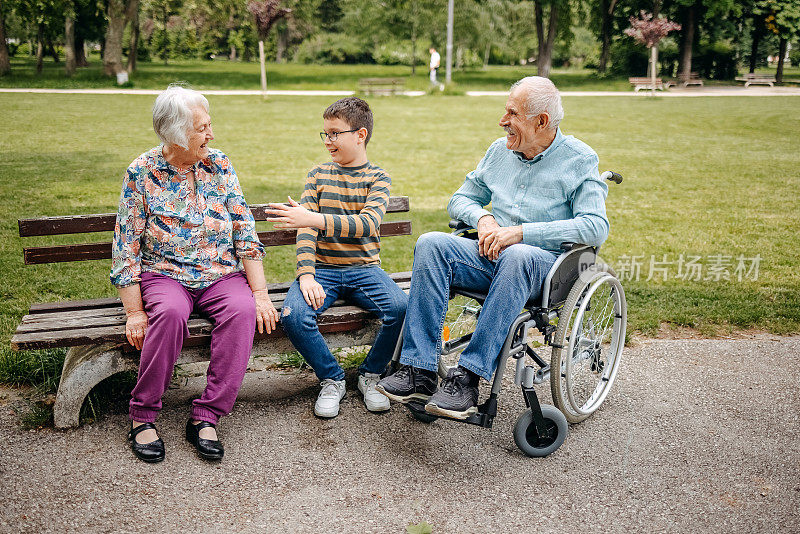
[782,17]
[606,23]
[266,13]
[5,61]
[118,12]
[649,30]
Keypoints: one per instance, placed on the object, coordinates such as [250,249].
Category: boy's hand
[294,216]
[312,291]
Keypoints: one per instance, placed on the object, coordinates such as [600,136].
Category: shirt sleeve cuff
[250,251]
[532,234]
[305,270]
[475,216]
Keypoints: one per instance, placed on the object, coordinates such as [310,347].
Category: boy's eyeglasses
[334,135]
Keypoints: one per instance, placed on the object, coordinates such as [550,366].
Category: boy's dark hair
[354,112]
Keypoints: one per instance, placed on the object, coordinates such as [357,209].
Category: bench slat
[114,302]
[104,222]
[333,320]
[102,251]
[75,320]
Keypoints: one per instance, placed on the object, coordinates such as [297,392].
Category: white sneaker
[327,404]
[375,401]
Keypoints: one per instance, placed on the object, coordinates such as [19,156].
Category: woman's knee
[168,313]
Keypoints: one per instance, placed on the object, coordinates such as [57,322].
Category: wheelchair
[582,316]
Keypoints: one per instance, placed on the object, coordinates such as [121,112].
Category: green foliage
[715,60]
[333,48]
[794,57]
[628,58]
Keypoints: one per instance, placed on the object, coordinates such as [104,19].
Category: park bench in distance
[382,86]
[693,78]
[756,79]
[641,82]
[94,330]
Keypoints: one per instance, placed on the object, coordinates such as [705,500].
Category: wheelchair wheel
[588,343]
[525,432]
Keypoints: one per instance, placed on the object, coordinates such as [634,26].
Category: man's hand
[266,315]
[496,241]
[136,328]
[486,224]
[312,291]
[294,216]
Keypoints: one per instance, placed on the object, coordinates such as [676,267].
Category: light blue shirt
[557,196]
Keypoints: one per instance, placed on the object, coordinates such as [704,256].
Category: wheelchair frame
[547,428]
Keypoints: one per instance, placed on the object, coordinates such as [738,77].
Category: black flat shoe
[147,452]
[208,449]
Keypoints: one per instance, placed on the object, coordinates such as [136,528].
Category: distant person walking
[434,66]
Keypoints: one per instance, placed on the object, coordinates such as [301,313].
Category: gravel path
[697,436]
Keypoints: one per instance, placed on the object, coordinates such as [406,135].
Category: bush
[332,48]
[628,58]
[794,57]
[399,53]
[715,60]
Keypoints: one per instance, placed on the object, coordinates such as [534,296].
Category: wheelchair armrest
[567,246]
[462,229]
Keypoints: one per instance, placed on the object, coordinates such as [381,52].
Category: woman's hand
[294,216]
[266,315]
[312,291]
[136,328]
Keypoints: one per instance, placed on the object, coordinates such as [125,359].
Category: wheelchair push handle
[612,176]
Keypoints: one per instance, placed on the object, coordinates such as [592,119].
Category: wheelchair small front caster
[530,443]
[418,412]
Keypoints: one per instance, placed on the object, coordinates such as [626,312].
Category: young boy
[338,245]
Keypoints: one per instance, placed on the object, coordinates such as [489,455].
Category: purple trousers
[229,305]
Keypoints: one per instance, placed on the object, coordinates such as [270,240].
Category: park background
[702,226]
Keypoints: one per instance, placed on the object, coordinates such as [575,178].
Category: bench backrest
[643,80]
[105,222]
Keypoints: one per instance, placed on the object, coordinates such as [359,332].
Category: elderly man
[544,189]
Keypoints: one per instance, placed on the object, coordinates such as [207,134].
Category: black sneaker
[458,395]
[409,383]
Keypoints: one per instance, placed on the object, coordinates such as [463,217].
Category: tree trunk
[606,9]
[653,66]
[282,45]
[52,52]
[39,47]
[758,31]
[112,51]
[781,56]
[687,43]
[134,42]
[5,60]
[486,56]
[69,43]
[544,59]
[414,40]
[80,52]
[263,67]
[165,52]
[538,22]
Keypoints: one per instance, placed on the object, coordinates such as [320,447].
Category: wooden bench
[382,86]
[692,78]
[94,330]
[640,82]
[756,79]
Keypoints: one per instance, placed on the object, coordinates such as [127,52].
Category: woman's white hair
[173,116]
[542,97]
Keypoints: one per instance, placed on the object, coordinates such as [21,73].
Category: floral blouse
[162,228]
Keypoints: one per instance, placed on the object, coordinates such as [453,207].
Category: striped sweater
[353,201]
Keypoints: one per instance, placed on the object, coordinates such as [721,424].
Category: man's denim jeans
[368,287]
[444,260]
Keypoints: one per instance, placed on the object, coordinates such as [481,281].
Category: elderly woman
[185,241]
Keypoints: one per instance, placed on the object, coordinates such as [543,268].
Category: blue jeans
[442,260]
[368,287]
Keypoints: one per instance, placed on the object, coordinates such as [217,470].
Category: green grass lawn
[223,74]
[704,177]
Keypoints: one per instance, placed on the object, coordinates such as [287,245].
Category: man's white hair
[173,116]
[541,97]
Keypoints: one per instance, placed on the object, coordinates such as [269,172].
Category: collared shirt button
[522,186]
[516,205]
